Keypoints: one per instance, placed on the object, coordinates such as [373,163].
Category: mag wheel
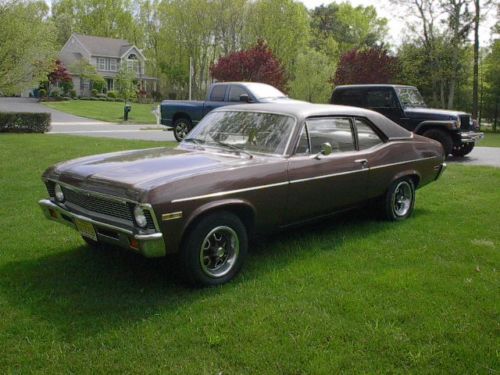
[214,249]
[182,126]
[400,200]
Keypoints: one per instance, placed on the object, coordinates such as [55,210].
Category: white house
[107,55]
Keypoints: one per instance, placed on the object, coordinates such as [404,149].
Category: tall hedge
[24,122]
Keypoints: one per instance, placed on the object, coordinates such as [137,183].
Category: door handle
[363,162]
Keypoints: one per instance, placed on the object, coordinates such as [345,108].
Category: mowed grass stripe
[350,294]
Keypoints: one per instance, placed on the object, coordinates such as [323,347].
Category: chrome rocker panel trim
[150,245]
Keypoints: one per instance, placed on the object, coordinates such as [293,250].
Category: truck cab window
[218,93]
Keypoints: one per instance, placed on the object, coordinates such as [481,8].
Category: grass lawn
[106,111]
[490,140]
[351,294]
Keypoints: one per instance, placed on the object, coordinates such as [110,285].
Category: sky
[396,24]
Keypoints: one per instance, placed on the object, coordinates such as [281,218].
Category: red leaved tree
[256,64]
[372,65]
[59,76]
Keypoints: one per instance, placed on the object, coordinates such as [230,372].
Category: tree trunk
[496,115]
[475,84]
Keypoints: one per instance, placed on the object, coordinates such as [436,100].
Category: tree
[492,84]
[315,87]
[27,48]
[350,27]
[126,83]
[87,72]
[256,64]
[109,18]
[59,76]
[372,65]
[283,24]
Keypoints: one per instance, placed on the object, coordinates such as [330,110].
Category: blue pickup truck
[182,115]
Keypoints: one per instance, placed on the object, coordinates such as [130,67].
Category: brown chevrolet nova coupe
[244,170]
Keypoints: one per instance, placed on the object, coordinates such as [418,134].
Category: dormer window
[132,56]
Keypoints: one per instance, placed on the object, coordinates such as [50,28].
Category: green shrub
[95,92]
[43,93]
[23,122]
[72,93]
[112,94]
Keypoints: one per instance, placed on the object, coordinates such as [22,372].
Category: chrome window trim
[260,187]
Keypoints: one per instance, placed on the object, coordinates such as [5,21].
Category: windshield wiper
[233,147]
[196,141]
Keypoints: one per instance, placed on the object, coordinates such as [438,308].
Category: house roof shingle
[105,47]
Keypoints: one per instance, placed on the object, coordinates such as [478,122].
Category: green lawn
[490,140]
[351,294]
[106,111]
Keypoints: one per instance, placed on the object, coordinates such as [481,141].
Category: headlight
[139,216]
[58,193]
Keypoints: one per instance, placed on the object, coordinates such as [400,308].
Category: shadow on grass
[84,292]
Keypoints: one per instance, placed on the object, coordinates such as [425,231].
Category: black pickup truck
[182,115]
[456,131]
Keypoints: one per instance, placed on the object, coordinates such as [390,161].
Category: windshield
[410,97]
[263,91]
[248,132]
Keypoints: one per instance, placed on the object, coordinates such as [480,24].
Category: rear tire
[463,149]
[399,200]
[182,126]
[214,250]
[442,137]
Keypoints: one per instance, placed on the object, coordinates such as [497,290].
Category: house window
[107,64]
[110,83]
[101,63]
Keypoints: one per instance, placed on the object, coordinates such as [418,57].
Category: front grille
[465,123]
[99,205]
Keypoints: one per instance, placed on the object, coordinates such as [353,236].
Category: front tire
[442,137]
[214,250]
[400,200]
[182,126]
[463,149]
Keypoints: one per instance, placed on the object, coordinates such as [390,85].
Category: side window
[380,99]
[235,93]
[366,136]
[303,145]
[348,97]
[336,131]
[217,94]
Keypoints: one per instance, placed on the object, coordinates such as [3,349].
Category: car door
[326,183]
[216,99]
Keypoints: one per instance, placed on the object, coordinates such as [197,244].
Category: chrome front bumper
[149,245]
[469,137]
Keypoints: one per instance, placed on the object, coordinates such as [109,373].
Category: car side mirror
[245,98]
[326,149]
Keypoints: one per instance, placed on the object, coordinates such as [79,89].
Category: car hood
[433,113]
[132,173]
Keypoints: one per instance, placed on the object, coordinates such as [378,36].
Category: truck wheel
[399,199]
[182,126]
[442,137]
[214,249]
[463,149]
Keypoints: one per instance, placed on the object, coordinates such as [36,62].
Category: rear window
[380,99]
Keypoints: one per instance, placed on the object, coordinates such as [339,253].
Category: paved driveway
[64,123]
[489,156]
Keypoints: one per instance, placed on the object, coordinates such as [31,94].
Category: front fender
[447,124]
[230,204]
